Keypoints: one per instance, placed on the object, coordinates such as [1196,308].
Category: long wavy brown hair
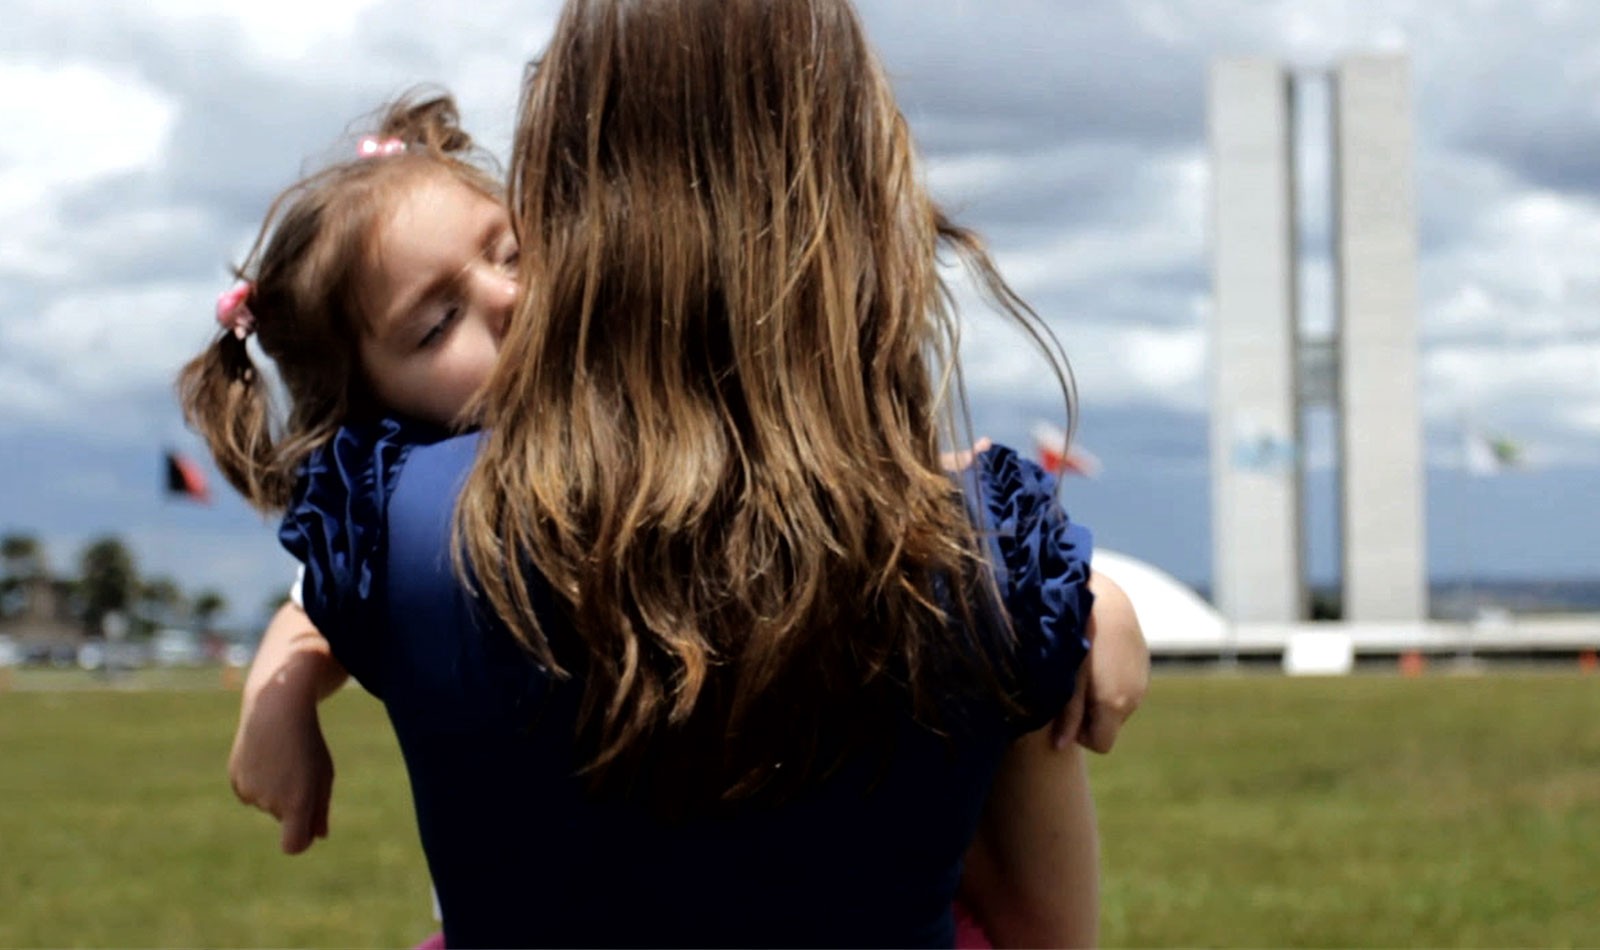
[715,428]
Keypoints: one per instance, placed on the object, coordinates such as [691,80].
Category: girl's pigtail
[225,399]
[430,122]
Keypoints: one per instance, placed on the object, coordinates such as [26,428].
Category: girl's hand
[280,761]
[281,765]
[959,461]
[1116,674]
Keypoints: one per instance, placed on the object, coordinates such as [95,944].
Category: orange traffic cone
[1412,664]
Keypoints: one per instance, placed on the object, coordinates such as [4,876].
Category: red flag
[1059,458]
[184,478]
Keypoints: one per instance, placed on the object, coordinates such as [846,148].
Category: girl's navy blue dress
[521,855]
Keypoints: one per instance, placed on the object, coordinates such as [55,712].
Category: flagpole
[1468,448]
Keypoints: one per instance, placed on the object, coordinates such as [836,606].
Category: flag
[185,479]
[1057,457]
[1491,454]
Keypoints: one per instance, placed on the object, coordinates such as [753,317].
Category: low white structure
[1175,618]
[1178,622]
[1319,653]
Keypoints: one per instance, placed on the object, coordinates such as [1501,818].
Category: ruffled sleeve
[1041,559]
[335,528]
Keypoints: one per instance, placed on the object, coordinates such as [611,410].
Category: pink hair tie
[374,147]
[233,312]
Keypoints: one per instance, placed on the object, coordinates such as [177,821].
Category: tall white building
[1258,512]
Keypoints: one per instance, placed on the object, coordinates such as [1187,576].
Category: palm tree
[161,603]
[107,580]
[209,604]
[21,556]
[21,562]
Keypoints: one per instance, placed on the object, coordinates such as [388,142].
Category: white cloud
[284,30]
[88,357]
[1098,276]
[1510,296]
[76,124]
[1113,365]
[1586,415]
[1478,379]
[26,394]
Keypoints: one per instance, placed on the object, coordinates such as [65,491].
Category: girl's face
[438,292]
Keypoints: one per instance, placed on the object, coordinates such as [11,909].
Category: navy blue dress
[523,855]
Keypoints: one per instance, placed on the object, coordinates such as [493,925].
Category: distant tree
[209,604]
[108,580]
[21,560]
[161,603]
[272,602]
[21,556]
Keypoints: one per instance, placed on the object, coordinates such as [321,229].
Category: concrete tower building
[1376,262]
[1255,474]
[1258,513]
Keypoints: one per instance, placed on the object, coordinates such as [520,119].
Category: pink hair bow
[233,311]
[374,147]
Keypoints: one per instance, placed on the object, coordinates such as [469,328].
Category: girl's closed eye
[507,255]
[436,332]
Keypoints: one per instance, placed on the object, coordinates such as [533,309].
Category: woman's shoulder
[344,487]
[1041,559]
[337,523]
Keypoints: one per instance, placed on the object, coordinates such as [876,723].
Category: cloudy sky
[143,140]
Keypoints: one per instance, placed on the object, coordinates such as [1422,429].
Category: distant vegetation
[1464,598]
[106,583]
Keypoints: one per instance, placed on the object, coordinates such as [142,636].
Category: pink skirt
[969,934]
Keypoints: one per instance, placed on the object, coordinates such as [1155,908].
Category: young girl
[378,287]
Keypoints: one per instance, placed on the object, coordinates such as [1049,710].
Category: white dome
[1173,616]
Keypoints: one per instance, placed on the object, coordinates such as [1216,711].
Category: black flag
[184,478]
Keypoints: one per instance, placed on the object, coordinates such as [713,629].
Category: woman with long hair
[697,641]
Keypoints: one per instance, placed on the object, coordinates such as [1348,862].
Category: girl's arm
[280,761]
[1119,672]
[1032,872]
[1032,876]
[1119,660]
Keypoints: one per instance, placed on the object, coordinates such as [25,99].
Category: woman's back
[731,671]
[525,852]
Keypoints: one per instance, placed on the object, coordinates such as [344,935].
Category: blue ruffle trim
[1042,567]
[334,527]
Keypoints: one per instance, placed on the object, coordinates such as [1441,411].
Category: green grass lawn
[1237,811]
[1370,811]
[118,829]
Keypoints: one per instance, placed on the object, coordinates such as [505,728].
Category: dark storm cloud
[1157,297]
[1516,85]
[1564,156]
[1019,197]
[1012,76]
